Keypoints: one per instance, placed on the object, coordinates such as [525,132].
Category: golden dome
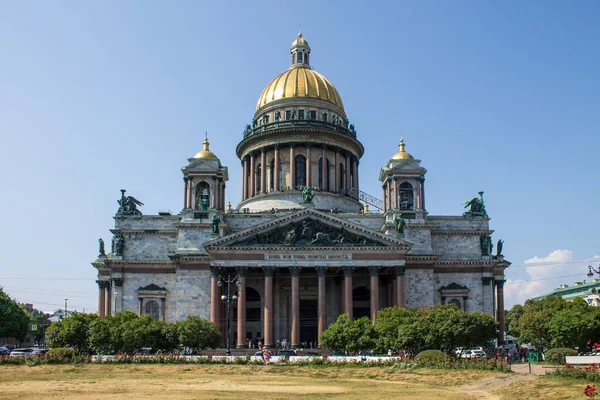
[205,152]
[300,42]
[401,154]
[300,82]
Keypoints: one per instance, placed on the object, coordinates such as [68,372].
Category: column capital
[241,271]
[374,270]
[269,271]
[295,271]
[321,271]
[348,270]
[276,146]
[500,282]
[400,270]
[214,271]
[292,145]
[117,281]
[186,178]
[486,280]
[103,284]
[308,145]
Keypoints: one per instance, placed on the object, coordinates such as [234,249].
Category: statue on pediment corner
[128,205]
[101,252]
[476,207]
[307,195]
[399,223]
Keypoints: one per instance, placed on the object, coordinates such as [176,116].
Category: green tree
[351,336]
[100,339]
[575,326]
[387,324]
[533,324]
[197,334]
[14,321]
[444,327]
[511,318]
[72,331]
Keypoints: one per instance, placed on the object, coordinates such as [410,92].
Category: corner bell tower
[204,181]
[403,186]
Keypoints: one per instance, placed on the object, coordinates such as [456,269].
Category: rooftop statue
[101,252]
[128,205]
[307,195]
[118,242]
[476,207]
[499,247]
[215,224]
[399,222]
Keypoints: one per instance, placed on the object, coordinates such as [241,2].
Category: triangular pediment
[402,168]
[305,229]
[203,164]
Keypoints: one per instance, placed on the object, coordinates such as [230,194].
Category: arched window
[202,196]
[342,178]
[405,196]
[152,309]
[300,57]
[300,171]
[306,58]
[257,178]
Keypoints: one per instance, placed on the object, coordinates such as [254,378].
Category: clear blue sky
[98,96]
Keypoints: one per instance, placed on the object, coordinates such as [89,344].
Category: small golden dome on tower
[401,154]
[205,152]
[300,42]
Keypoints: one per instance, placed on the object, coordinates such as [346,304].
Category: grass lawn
[166,382]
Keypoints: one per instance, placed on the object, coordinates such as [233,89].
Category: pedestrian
[267,356]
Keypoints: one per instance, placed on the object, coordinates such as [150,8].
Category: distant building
[584,290]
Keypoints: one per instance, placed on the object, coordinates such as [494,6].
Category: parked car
[21,352]
[39,351]
[473,354]
[4,351]
[258,354]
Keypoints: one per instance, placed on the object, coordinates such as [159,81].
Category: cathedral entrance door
[308,320]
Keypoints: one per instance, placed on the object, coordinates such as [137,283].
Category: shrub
[431,355]
[557,356]
[61,354]
[585,374]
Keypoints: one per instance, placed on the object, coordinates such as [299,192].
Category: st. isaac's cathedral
[305,244]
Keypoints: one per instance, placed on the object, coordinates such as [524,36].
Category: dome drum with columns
[301,262]
[299,122]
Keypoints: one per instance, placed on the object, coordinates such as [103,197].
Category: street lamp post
[592,271]
[66,313]
[228,299]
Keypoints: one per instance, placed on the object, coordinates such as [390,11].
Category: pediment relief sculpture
[308,233]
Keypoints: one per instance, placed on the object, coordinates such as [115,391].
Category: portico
[298,270]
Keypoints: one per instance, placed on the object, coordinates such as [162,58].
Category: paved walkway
[536,369]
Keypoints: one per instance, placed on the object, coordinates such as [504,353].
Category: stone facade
[302,241]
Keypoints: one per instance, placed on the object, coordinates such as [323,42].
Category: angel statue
[128,205]
[307,195]
[476,207]
[499,248]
